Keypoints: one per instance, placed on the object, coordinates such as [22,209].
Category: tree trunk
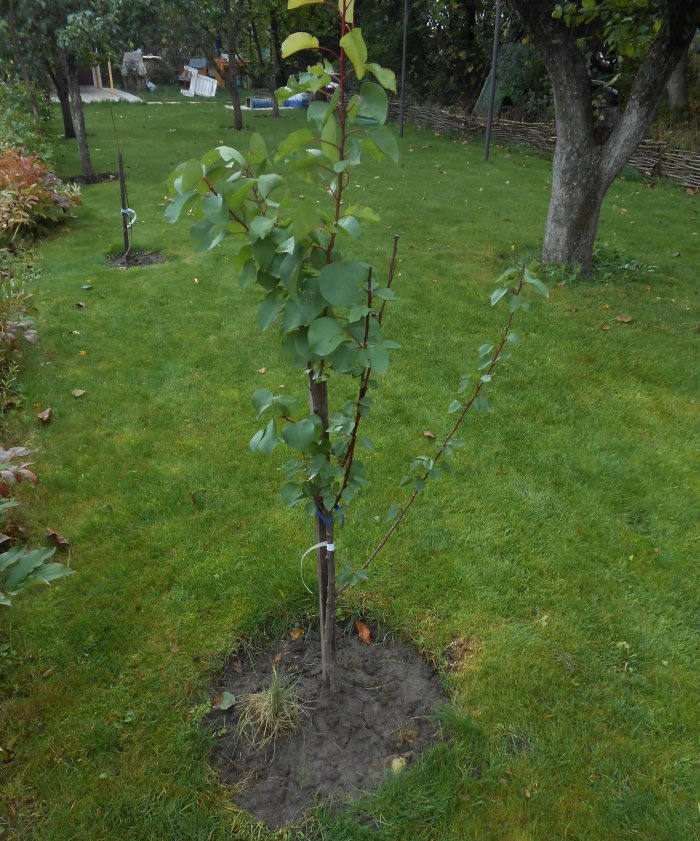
[61,85]
[233,28]
[325,555]
[590,152]
[677,91]
[578,190]
[76,102]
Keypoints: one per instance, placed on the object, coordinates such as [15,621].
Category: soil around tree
[136,259]
[346,743]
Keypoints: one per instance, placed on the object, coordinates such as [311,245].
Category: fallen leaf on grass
[224,701]
[296,633]
[262,370]
[80,305]
[44,416]
[49,672]
[624,319]
[428,434]
[57,539]
[363,631]
[78,392]
[86,286]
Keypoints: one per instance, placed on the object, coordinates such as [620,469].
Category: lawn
[559,553]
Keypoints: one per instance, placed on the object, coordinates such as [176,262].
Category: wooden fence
[651,157]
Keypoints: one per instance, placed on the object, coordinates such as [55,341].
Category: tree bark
[325,555]
[590,153]
[76,102]
[61,85]
[677,90]
[233,29]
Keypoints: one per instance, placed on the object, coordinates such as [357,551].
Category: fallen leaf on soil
[78,392]
[428,434]
[224,700]
[624,319]
[296,633]
[57,539]
[363,631]
[45,416]
[397,765]
[277,658]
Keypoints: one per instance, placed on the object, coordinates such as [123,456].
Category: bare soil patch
[137,259]
[346,743]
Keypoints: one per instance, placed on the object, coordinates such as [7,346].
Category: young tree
[594,143]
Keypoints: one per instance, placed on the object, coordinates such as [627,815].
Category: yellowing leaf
[354,45]
[296,633]
[294,4]
[363,631]
[349,14]
[298,41]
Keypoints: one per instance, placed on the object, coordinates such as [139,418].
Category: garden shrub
[17,127]
[31,197]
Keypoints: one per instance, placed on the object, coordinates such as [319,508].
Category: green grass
[562,545]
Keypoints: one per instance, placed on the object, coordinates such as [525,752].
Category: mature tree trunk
[677,90]
[61,85]
[590,152]
[76,102]
[234,21]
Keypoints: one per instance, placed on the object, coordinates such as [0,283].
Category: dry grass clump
[270,713]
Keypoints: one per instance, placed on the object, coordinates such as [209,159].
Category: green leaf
[294,4]
[258,149]
[318,112]
[536,284]
[268,183]
[329,141]
[379,360]
[179,204]
[339,283]
[350,225]
[513,338]
[185,177]
[393,512]
[265,440]
[262,400]
[293,142]
[260,227]
[356,50]
[205,235]
[497,294]
[481,404]
[268,311]
[325,334]
[455,406]
[385,139]
[385,77]
[373,101]
[223,701]
[299,41]
[302,433]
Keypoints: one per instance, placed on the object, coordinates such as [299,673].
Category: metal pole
[494,71]
[404,51]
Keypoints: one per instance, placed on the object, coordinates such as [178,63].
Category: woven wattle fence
[651,157]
